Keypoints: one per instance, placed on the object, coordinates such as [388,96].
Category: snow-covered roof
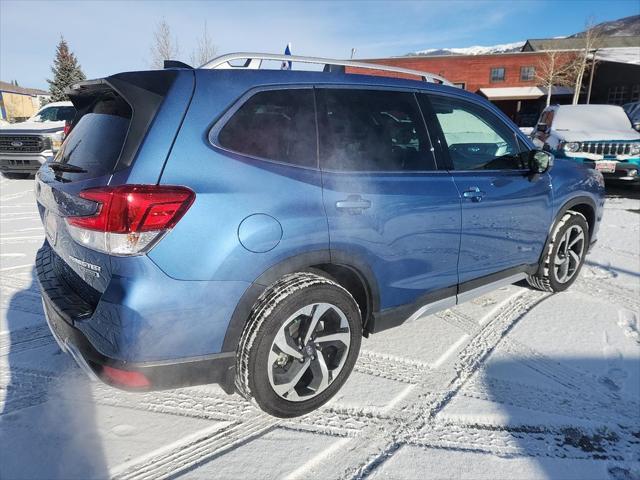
[577,43]
[590,117]
[630,55]
[59,104]
[522,93]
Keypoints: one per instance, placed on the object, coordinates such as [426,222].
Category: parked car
[248,227]
[633,112]
[25,146]
[600,136]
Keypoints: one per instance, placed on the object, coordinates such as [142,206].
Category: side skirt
[439,300]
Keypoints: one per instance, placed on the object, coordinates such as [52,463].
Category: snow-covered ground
[516,384]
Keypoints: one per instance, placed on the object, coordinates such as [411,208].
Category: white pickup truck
[600,136]
[27,145]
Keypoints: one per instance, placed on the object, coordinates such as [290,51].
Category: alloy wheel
[308,351]
[569,253]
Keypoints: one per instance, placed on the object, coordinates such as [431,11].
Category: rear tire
[565,254]
[299,345]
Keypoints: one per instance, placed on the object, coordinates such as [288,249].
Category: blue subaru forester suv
[247,227]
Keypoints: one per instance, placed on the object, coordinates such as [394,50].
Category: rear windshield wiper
[66,167]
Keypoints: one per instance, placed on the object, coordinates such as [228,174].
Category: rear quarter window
[277,125]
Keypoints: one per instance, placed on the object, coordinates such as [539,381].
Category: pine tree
[66,71]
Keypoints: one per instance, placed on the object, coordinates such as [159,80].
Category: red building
[507,79]
[510,79]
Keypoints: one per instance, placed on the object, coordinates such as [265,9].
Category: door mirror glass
[636,126]
[541,127]
[540,161]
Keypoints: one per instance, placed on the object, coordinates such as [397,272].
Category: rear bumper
[219,368]
[23,163]
[65,310]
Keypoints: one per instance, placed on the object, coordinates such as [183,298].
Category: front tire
[299,345]
[565,254]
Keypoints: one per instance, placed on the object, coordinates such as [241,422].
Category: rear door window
[276,125]
[475,138]
[95,142]
[372,130]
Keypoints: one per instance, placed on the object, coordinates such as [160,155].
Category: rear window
[274,125]
[96,140]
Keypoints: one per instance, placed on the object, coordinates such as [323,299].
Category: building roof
[629,55]
[577,43]
[8,87]
[522,93]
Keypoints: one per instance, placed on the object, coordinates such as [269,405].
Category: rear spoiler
[143,91]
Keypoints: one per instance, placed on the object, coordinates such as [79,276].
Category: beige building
[19,103]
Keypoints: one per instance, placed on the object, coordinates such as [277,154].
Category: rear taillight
[125,378]
[129,219]
[66,130]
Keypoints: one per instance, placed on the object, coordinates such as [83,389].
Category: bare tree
[164,47]
[586,57]
[205,49]
[556,69]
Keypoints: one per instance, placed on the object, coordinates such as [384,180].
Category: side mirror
[541,127]
[540,161]
[636,126]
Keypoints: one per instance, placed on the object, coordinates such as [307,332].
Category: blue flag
[286,65]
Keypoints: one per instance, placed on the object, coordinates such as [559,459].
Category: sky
[109,37]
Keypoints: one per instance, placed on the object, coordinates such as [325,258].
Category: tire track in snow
[604,442]
[185,456]
[585,407]
[579,383]
[25,339]
[616,295]
[376,443]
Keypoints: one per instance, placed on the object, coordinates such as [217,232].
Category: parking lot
[515,384]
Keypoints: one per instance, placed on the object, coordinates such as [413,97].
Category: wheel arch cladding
[583,205]
[353,275]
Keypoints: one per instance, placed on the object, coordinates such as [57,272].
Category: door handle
[474,193]
[353,204]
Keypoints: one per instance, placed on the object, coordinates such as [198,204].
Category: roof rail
[253,61]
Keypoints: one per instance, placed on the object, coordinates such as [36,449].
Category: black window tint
[96,141]
[475,138]
[275,125]
[372,130]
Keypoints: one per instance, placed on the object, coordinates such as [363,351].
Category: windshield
[54,114]
[591,118]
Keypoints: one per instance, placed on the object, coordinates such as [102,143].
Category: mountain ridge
[614,28]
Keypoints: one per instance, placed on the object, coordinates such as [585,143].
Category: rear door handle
[474,193]
[353,204]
